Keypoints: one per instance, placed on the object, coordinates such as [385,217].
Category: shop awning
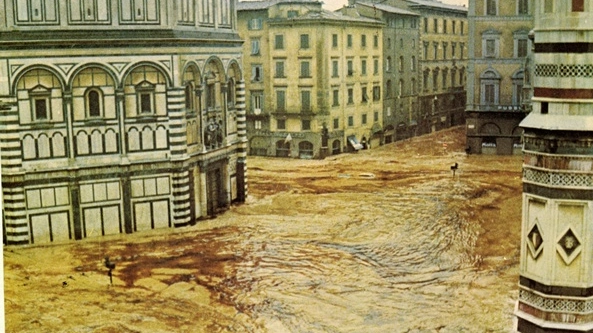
[354,142]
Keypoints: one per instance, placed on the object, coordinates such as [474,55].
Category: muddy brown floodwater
[385,240]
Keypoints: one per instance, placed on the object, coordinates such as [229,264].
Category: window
[41,108]
[444,26]
[413,87]
[363,41]
[305,70]
[336,97]
[304,41]
[489,95]
[548,6]
[453,49]
[281,124]
[334,40]
[365,97]
[279,42]
[292,13]
[389,43]
[257,73]
[350,68]
[375,41]
[444,79]
[305,100]
[388,89]
[518,87]
[489,86]
[280,100]
[363,67]
[388,64]
[145,103]
[145,98]
[400,88]
[210,95]
[280,69]
[453,27]
[544,108]
[522,48]
[255,24]
[257,102]
[376,93]
[189,97]
[490,43]
[461,47]
[376,116]
[401,64]
[425,51]
[435,80]
[461,30]
[435,26]
[305,124]
[350,96]
[578,5]
[491,7]
[425,24]
[349,41]
[350,121]
[94,103]
[255,47]
[490,48]
[523,7]
[336,123]
[425,80]
[363,119]
[435,50]
[375,66]
[335,69]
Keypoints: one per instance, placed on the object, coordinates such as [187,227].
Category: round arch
[162,70]
[76,72]
[28,70]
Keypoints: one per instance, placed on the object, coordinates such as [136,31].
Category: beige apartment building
[499,48]
[314,82]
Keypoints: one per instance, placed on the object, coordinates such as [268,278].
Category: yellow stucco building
[314,79]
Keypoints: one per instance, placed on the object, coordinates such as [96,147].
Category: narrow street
[383,240]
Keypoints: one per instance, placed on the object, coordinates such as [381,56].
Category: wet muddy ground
[385,240]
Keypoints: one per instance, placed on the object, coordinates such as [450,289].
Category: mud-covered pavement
[386,240]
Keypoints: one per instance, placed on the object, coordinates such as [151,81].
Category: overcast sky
[335,4]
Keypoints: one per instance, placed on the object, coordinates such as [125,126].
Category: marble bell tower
[556,266]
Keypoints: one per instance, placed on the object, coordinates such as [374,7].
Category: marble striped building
[556,277]
[118,116]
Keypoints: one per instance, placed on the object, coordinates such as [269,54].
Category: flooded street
[386,240]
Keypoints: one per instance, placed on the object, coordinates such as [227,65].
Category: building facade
[315,85]
[556,280]
[499,48]
[425,57]
[118,116]
[401,40]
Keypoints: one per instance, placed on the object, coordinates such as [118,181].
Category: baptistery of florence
[118,116]
[556,266]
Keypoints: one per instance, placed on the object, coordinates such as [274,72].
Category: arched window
[189,97]
[518,87]
[230,96]
[94,103]
[489,87]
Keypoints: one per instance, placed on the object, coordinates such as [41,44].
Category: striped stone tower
[556,266]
